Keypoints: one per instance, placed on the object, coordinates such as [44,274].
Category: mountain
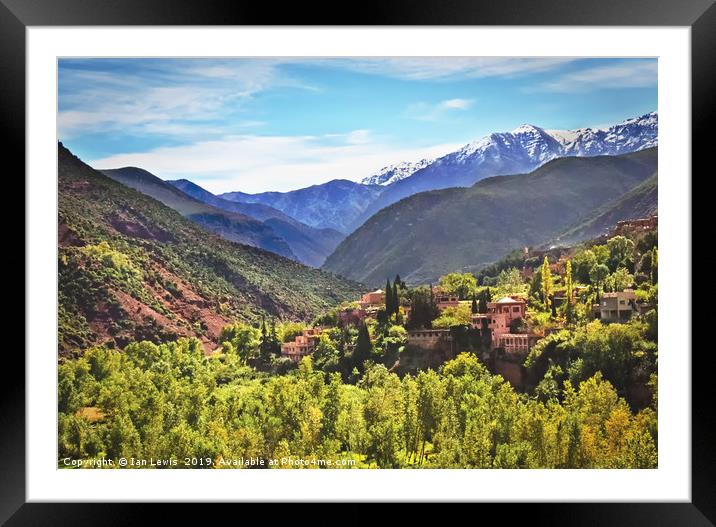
[332,205]
[640,202]
[310,245]
[462,229]
[392,173]
[229,225]
[519,151]
[131,268]
[629,136]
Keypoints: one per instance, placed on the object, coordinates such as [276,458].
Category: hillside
[131,268]
[640,202]
[433,233]
[232,226]
[310,245]
[334,205]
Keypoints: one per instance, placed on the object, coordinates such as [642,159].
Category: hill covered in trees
[231,225]
[463,229]
[131,268]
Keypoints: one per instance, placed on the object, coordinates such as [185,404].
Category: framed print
[419,251]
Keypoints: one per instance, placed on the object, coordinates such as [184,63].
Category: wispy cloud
[432,112]
[632,74]
[253,163]
[175,97]
[437,68]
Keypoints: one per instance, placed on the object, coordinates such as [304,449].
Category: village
[508,319]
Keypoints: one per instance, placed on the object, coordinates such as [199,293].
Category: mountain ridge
[311,245]
[132,268]
[522,150]
[232,226]
[428,234]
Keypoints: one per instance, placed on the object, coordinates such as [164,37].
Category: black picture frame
[699,15]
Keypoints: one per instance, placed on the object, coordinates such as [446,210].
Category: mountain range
[519,151]
[344,205]
[311,245]
[308,224]
[132,268]
[334,205]
[436,232]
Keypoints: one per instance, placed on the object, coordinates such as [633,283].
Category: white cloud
[252,163]
[185,97]
[437,68]
[631,74]
[432,112]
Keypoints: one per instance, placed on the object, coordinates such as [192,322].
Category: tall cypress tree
[547,283]
[388,298]
[482,307]
[396,299]
[363,349]
[474,304]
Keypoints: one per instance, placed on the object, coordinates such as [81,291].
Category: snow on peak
[392,173]
[528,146]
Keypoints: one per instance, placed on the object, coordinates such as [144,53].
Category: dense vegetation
[131,268]
[170,402]
[589,399]
[432,233]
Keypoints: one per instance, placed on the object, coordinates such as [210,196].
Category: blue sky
[280,124]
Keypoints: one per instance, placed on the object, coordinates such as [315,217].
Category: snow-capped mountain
[392,173]
[629,136]
[522,150]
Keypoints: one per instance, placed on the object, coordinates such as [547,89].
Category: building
[442,302]
[302,345]
[351,316]
[429,338]
[515,342]
[499,317]
[634,226]
[617,307]
[373,299]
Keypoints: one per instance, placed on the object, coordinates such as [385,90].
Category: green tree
[598,274]
[654,265]
[396,299]
[389,303]
[619,280]
[461,285]
[621,251]
[547,284]
[363,348]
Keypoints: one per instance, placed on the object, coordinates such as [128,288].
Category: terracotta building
[499,317]
[302,345]
[372,299]
[444,301]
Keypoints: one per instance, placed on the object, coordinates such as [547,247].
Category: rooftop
[507,299]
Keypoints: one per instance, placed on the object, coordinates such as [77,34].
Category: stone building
[429,338]
[618,307]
